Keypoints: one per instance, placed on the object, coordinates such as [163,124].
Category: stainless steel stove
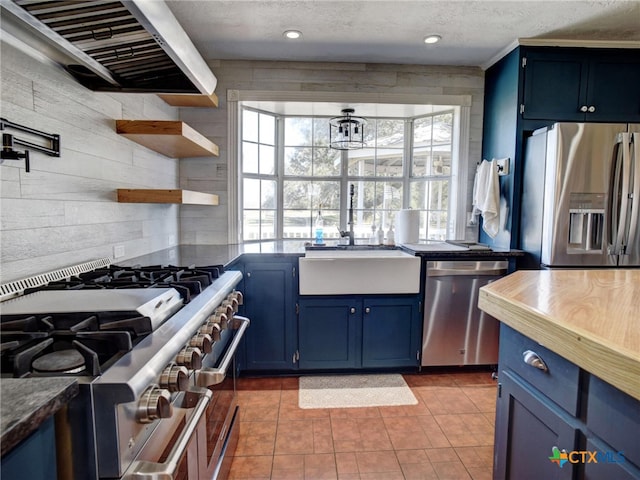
[153,349]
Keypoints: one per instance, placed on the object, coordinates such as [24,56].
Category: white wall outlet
[118,251]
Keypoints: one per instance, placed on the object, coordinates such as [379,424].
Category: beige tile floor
[447,435]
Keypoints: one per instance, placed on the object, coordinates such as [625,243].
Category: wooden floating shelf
[172,138]
[190,100]
[184,197]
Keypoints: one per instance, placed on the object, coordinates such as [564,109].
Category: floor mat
[345,391]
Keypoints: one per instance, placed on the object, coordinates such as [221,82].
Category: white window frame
[460,143]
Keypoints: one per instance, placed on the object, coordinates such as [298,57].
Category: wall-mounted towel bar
[502,164]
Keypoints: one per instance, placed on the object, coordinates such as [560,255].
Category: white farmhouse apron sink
[346,272]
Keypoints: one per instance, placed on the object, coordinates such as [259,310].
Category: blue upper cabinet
[533,87]
[581,85]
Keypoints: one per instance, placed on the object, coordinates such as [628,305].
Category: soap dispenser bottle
[373,239]
[319,230]
[390,236]
[380,235]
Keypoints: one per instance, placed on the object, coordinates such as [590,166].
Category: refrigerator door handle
[612,207]
[635,190]
[619,194]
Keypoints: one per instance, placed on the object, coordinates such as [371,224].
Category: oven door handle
[207,377]
[145,470]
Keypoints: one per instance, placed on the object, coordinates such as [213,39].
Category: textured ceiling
[377,31]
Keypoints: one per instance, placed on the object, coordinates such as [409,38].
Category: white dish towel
[486,197]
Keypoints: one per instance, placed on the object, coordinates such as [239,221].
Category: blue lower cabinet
[329,331]
[270,340]
[34,458]
[560,422]
[353,332]
[530,432]
[390,332]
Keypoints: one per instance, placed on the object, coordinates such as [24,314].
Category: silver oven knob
[225,309]
[202,341]
[190,357]
[153,404]
[221,319]
[238,296]
[212,329]
[174,378]
[231,301]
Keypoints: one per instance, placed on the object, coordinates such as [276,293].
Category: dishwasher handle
[466,268]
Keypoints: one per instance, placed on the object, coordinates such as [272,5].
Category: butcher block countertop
[589,317]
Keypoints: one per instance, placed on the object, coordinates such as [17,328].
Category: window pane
[267,160]
[249,157]
[441,160]
[326,162]
[268,194]
[267,129]
[421,161]
[251,193]
[296,224]
[250,125]
[267,224]
[422,131]
[437,226]
[364,194]
[363,220]
[297,131]
[251,224]
[418,194]
[389,195]
[390,133]
[326,194]
[442,126]
[321,131]
[369,137]
[296,194]
[361,162]
[297,161]
[389,162]
[438,195]
[331,223]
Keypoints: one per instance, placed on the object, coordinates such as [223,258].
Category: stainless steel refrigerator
[581,196]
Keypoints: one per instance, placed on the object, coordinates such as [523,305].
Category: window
[259,185]
[288,172]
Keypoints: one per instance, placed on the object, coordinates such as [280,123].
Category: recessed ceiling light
[292,34]
[432,39]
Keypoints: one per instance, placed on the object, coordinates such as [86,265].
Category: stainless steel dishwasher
[456,331]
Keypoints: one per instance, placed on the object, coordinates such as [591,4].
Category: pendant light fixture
[347,132]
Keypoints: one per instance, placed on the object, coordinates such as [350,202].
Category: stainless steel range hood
[122,46]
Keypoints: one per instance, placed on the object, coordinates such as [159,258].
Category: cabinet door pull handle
[532,358]
[352,310]
[592,109]
[367,310]
[584,109]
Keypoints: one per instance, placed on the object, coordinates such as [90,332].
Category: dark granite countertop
[27,402]
[225,254]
